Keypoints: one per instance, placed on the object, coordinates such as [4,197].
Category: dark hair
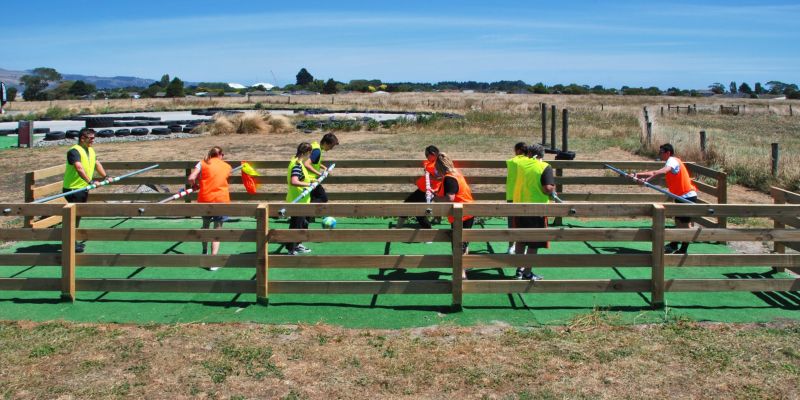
[215,151]
[444,164]
[521,148]
[86,132]
[330,139]
[432,150]
[303,148]
[666,147]
[536,150]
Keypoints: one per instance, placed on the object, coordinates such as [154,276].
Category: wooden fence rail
[383,180]
[262,235]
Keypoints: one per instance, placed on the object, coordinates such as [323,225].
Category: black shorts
[532,222]
[417,197]
[686,220]
[80,197]
[318,195]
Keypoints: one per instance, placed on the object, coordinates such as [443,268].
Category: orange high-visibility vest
[681,183]
[214,181]
[430,168]
[464,194]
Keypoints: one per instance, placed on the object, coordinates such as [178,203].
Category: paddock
[607,255]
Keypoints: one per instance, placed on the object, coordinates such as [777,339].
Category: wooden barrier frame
[487,178]
[262,286]
[780,196]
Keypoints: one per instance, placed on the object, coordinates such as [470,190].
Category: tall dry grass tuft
[249,123]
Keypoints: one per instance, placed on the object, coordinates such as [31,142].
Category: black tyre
[188,128]
[73,134]
[5,132]
[105,133]
[55,135]
[99,122]
[41,130]
[122,132]
[160,131]
[139,131]
[175,128]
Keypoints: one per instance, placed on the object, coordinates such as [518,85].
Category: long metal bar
[307,191]
[648,184]
[107,181]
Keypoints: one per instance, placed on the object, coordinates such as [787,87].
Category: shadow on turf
[40,248]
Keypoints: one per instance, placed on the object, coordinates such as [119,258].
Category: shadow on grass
[782,300]
[40,248]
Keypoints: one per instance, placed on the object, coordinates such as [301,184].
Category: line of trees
[47,84]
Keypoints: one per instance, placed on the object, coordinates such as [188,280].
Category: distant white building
[267,86]
[236,85]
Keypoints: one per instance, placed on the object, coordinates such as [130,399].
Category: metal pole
[648,184]
[306,191]
[188,191]
[94,186]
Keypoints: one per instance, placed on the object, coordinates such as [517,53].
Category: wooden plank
[28,193]
[25,234]
[135,165]
[262,254]
[155,180]
[657,271]
[557,234]
[166,285]
[68,218]
[168,235]
[732,210]
[46,190]
[361,287]
[30,284]
[729,285]
[46,222]
[33,210]
[614,197]
[732,235]
[362,209]
[557,260]
[704,171]
[368,261]
[359,235]
[593,180]
[705,188]
[458,254]
[44,173]
[166,210]
[705,222]
[600,165]
[167,260]
[558,210]
[557,286]
[732,260]
[30,259]
[788,221]
[785,195]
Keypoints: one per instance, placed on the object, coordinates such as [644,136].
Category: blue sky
[688,44]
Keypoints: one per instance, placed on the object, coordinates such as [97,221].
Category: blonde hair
[215,151]
[444,164]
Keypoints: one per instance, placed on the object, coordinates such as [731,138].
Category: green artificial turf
[383,311]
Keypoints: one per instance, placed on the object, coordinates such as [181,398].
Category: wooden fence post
[722,197]
[657,272]
[458,255]
[649,133]
[186,186]
[791,113]
[565,130]
[778,198]
[68,218]
[662,111]
[553,127]
[29,182]
[703,143]
[262,251]
[544,124]
[775,159]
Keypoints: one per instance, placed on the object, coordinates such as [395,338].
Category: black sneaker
[79,247]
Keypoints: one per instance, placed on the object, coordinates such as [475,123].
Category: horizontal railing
[654,233]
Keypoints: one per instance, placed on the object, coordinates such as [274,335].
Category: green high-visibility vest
[511,178]
[71,178]
[528,188]
[316,146]
[293,191]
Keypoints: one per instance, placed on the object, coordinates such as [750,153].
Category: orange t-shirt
[214,181]
[430,168]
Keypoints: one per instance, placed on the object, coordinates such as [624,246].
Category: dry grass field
[590,357]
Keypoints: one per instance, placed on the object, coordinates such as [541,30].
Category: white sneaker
[510,250]
[301,249]
[213,268]
[518,275]
[533,277]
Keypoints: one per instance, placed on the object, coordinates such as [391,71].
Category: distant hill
[11,78]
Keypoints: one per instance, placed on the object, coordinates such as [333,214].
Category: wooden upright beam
[657,274]
[262,250]
[68,218]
